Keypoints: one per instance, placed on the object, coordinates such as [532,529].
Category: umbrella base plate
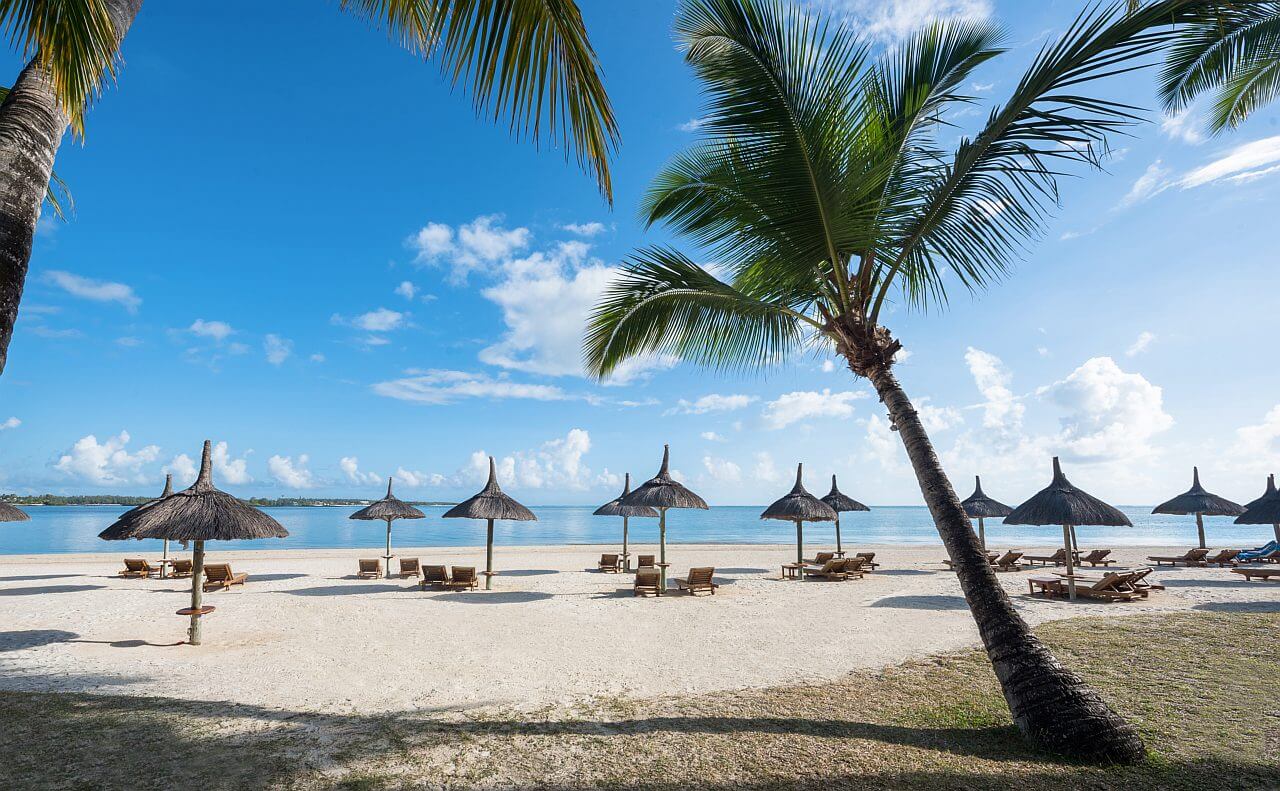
[196,611]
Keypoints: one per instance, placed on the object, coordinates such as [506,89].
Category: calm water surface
[55,529]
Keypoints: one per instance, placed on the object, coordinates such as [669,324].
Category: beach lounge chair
[1224,558]
[1271,557]
[182,568]
[464,578]
[219,576]
[992,558]
[1194,557]
[409,567]
[868,561]
[137,567]
[821,558]
[699,580]
[1258,574]
[370,568]
[434,575]
[1008,561]
[647,581]
[1058,558]
[831,570]
[1096,557]
[1251,555]
[645,561]
[1140,583]
[609,563]
[1112,586]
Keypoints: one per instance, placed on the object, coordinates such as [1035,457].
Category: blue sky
[293,239]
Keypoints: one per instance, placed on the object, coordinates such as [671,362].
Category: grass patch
[1202,687]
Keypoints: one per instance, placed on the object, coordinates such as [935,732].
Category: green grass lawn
[1203,688]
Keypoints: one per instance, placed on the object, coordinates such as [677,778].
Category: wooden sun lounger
[1108,588]
[1194,557]
[645,561]
[1133,580]
[1224,558]
[609,563]
[409,567]
[868,561]
[1008,561]
[647,581]
[370,568]
[464,578]
[1058,558]
[1097,557]
[820,558]
[137,567]
[1258,574]
[699,580]
[218,576]
[434,575]
[182,568]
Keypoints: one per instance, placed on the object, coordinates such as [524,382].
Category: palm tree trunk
[31,127]
[1052,706]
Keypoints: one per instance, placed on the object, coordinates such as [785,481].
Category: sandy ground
[306,634]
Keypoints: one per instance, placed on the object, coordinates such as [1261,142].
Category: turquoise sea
[55,529]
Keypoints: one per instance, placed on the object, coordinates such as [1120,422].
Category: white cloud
[406,289]
[276,349]
[380,320]
[711,436]
[891,20]
[1241,164]
[722,470]
[350,467]
[1184,126]
[938,418]
[290,473]
[883,445]
[217,331]
[183,470]
[317,358]
[445,387]
[712,402]
[106,462]
[1001,409]
[1257,447]
[475,245]
[414,479]
[1143,342]
[1151,183]
[1111,414]
[803,405]
[556,464]
[12,422]
[128,341]
[765,470]
[692,125]
[828,366]
[227,468]
[584,228]
[96,290]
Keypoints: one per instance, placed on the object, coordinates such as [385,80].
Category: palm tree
[822,191]
[526,61]
[1230,50]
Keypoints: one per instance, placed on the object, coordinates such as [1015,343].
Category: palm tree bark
[31,128]
[1052,706]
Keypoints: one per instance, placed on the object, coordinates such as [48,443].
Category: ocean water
[57,529]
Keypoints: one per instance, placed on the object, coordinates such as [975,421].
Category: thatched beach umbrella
[841,502]
[1265,510]
[979,506]
[799,506]
[490,504]
[1199,502]
[1060,503]
[120,530]
[200,513]
[663,492]
[9,513]
[389,508]
[615,508]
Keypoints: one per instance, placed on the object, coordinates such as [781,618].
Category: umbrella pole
[800,542]
[1067,531]
[1075,545]
[1200,527]
[388,556]
[839,549]
[982,535]
[197,593]
[164,556]
[662,549]
[488,559]
[626,559]
[1276,528]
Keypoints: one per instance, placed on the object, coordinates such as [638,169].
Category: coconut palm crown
[824,192]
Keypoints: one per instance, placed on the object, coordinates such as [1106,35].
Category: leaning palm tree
[527,62]
[823,192]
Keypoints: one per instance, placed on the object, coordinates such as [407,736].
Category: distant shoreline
[130,502]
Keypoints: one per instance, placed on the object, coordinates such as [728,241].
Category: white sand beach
[306,635]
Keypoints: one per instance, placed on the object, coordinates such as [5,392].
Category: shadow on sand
[33,577]
[347,590]
[922,603]
[43,589]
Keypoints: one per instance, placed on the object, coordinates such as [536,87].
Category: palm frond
[73,41]
[663,303]
[1254,84]
[529,61]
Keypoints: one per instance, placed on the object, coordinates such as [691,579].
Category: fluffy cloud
[1241,164]
[380,320]
[228,469]
[938,418]
[692,125]
[413,479]
[182,468]
[445,387]
[712,402]
[1153,181]
[290,473]
[711,436]
[1257,447]
[473,246]
[1184,126]
[765,470]
[96,290]
[107,462]
[890,20]
[276,349]
[584,228]
[1111,414]
[802,405]
[406,289]
[1141,344]
[722,470]
[556,464]
[217,331]
[883,445]
[1001,409]
[350,467]
[12,422]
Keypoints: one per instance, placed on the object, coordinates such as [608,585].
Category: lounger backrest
[608,560]
[647,577]
[1197,554]
[135,564]
[1113,580]
[182,566]
[853,564]
[1008,558]
[464,573]
[367,566]
[701,576]
[408,564]
[645,560]
[1097,554]
[217,572]
[435,573]
[824,557]
[1139,574]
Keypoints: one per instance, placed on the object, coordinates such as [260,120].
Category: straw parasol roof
[1265,510]
[839,501]
[663,491]
[491,503]
[979,506]
[121,529]
[1270,492]
[799,506]
[9,513]
[615,507]
[199,513]
[388,508]
[1198,501]
[1060,503]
